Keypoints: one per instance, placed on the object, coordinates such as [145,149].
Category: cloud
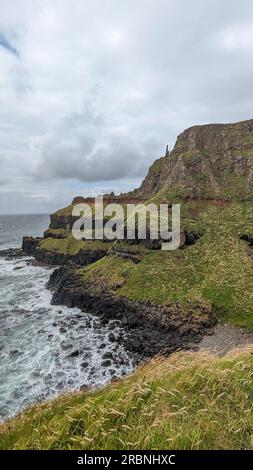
[99,88]
[4,43]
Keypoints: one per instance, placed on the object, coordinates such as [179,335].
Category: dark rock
[111,337]
[106,363]
[150,329]
[84,365]
[74,353]
[12,253]
[30,244]
[15,352]
[84,387]
[189,238]
[107,355]
[248,238]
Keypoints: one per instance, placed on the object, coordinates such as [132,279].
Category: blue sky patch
[7,45]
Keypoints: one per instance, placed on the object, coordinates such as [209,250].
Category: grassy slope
[71,246]
[188,401]
[216,269]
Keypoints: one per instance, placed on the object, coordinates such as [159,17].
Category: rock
[74,353]
[12,253]
[149,329]
[15,352]
[106,363]
[220,153]
[84,387]
[84,365]
[107,355]
[30,244]
[111,337]
[189,238]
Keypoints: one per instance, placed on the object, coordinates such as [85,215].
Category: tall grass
[188,401]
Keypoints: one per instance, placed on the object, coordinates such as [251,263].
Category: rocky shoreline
[150,328]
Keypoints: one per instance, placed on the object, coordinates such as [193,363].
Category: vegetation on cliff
[217,269]
[208,162]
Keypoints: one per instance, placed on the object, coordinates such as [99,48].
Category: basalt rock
[82,258]
[150,328]
[12,253]
[30,244]
[48,234]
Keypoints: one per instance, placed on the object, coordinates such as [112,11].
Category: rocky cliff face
[210,161]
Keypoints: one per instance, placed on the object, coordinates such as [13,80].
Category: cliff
[213,161]
[165,301]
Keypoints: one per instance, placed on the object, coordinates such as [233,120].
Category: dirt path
[224,339]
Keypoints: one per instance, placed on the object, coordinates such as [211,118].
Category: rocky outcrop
[65,221]
[52,234]
[151,328]
[12,253]
[82,258]
[248,238]
[209,162]
[30,244]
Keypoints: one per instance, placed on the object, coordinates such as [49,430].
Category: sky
[92,91]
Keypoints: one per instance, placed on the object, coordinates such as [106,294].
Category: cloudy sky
[91,91]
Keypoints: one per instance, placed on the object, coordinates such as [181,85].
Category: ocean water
[46,350]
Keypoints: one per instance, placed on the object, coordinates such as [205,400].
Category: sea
[47,350]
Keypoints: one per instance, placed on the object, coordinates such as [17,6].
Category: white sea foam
[44,349]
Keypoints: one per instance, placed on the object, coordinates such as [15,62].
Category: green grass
[217,269]
[109,271]
[188,401]
[53,232]
[71,246]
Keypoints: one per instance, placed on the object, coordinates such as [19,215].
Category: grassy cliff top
[70,246]
[218,269]
[188,401]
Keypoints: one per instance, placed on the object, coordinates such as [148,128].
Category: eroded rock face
[30,244]
[84,257]
[210,161]
[62,221]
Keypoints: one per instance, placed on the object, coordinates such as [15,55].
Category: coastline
[151,329]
